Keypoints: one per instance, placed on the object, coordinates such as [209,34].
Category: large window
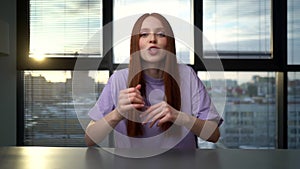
[294,110]
[257,43]
[293,32]
[65,28]
[293,84]
[238,29]
[127,11]
[249,113]
[52,108]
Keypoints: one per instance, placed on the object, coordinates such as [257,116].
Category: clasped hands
[131,98]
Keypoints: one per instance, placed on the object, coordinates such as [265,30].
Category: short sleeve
[104,103]
[108,99]
[203,107]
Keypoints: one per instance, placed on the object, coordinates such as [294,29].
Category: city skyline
[102,76]
[50,113]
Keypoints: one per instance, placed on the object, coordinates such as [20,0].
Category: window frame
[277,62]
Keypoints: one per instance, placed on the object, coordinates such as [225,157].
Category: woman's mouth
[153,50]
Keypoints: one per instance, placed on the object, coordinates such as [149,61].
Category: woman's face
[153,41]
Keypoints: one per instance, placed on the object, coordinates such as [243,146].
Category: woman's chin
[153,59]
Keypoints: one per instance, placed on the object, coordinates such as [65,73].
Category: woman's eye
[144,34]
[160,34]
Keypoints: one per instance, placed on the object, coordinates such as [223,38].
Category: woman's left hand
[161,112]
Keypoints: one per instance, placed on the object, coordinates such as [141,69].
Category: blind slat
[65,27]
[51,118]
[238,27]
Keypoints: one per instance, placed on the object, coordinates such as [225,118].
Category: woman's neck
[154,70]
[154,73]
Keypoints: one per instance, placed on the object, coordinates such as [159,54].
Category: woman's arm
[205,129]
[96,131]
[128,99]
[162,112]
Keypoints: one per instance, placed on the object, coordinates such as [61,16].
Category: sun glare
[39,56]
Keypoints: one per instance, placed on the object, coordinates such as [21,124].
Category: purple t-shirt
[194,101]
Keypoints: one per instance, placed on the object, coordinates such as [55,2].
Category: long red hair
[170,73]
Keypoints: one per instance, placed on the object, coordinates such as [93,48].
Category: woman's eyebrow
[145,30]
[156,29]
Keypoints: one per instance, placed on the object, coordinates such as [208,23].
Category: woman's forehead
[152,23]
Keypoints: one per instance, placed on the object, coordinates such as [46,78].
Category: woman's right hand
[130,99]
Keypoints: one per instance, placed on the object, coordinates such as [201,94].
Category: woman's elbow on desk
[215,136]
[87,137]
[88,141]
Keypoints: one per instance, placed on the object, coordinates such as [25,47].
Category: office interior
[280,128]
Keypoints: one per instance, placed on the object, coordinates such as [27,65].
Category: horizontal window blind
[53,111]
[238,29]
[173,10]
[65,28]
[293,32]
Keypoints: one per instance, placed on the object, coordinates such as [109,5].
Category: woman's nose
[152,38]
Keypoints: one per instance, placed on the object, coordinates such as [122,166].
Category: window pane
[181,9]
[294,110]
[250,110]
[293,31]
[51,118]
[65,28]
[238,29]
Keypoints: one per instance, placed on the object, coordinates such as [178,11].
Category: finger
[151,114]
[133,90]
[125,91]
[131,98]
[125,108]
[126,103]
[135,96]
[151,109]
[147,111]
[156,118]
[130,90]
[162,121]
[136,106]
[125,100]
[138,87]
[164,113]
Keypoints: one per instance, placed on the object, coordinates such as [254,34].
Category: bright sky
[126,12]
[221,20]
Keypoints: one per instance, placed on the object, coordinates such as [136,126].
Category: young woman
[156,102]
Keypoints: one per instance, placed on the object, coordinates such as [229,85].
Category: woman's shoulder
[121,73]
[184,67]
[118,80]
[185,70]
